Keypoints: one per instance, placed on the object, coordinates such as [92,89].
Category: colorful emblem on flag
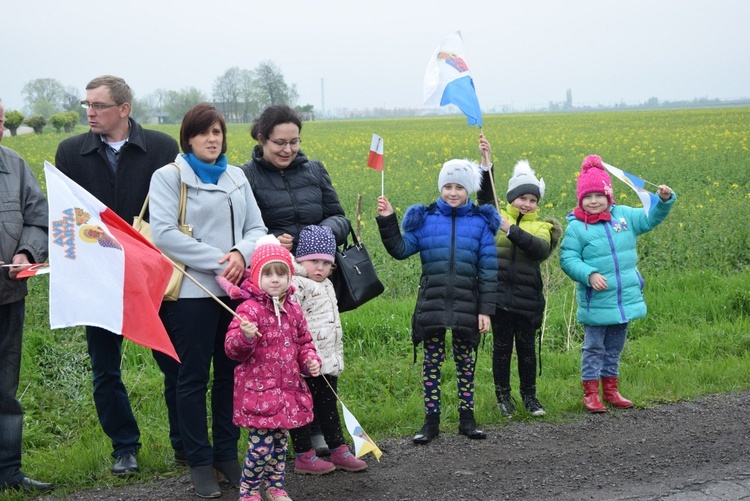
[101,261]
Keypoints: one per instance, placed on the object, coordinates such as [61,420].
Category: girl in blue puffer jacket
[455,240]
[599,253]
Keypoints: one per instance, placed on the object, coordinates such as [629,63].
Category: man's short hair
[119,91]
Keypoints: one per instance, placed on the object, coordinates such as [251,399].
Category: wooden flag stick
[211,294]
[492,181]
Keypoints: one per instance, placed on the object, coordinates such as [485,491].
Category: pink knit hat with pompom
[594,179]
[269,250]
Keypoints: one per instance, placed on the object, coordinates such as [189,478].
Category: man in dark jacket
[114,162]
[23,240]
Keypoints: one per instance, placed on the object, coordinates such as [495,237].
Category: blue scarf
[208,173]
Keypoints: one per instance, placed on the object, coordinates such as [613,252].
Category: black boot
[231,470]
[531,403]
[468,426]
[505,403]
[430,429]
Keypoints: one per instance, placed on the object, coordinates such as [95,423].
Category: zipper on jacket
[617,272]
[512,267]
[291,197]
[231,219]
[451,266]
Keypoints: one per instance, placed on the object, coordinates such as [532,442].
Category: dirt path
[632,454]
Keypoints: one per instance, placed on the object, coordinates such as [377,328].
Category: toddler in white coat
[315,294]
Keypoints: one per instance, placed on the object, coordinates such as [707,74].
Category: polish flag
[34,270]
[105,273]
[375,160]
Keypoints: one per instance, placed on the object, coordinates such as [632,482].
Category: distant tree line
[240,94]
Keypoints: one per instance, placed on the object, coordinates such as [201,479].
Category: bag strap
[183,198]
[355,240]
[183,201]
[143,209]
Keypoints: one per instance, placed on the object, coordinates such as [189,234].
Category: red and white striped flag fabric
[375,160]
[103,272]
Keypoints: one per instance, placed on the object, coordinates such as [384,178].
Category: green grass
[695,340]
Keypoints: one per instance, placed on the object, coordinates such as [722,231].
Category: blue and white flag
[448,80]
[647,198]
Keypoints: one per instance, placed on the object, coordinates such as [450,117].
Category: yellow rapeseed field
[702,154]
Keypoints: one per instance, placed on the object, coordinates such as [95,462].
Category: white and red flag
[104,273]
[375,160]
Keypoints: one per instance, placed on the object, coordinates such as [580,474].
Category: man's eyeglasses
[97,106]
[282,144]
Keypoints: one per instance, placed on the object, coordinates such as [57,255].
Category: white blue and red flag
[647,198]
[448,80]
[104,273]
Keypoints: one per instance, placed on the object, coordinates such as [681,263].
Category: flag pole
[492,179]
[382,171]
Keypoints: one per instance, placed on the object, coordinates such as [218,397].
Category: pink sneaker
[310,464]
[343,459]
[274,494]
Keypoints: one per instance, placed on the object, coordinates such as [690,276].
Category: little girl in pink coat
[274,347]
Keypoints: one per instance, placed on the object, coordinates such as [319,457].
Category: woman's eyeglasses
[282,144]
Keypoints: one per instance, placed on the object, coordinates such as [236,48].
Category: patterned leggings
[265,462]
[434,355]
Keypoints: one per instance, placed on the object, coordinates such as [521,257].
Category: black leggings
[326,413]
[507,327]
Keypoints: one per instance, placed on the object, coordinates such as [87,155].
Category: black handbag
[354,278]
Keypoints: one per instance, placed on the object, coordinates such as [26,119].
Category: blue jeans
[110,397]
[11,414]
[197,328]
[602,346]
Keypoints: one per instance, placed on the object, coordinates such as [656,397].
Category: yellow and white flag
[362,442]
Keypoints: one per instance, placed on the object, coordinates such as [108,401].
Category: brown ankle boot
[591,396]
[612,396]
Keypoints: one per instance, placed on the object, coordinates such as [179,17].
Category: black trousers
[326,413]
[509,328]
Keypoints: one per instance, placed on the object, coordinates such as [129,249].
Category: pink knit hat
[594,179]
[268,250]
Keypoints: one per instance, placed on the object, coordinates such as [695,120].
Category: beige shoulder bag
[144,228]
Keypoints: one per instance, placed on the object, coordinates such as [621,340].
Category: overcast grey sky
[374,53]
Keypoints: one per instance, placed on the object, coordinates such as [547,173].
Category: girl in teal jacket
[599,253]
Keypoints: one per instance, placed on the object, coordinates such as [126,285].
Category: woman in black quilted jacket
[292,191]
